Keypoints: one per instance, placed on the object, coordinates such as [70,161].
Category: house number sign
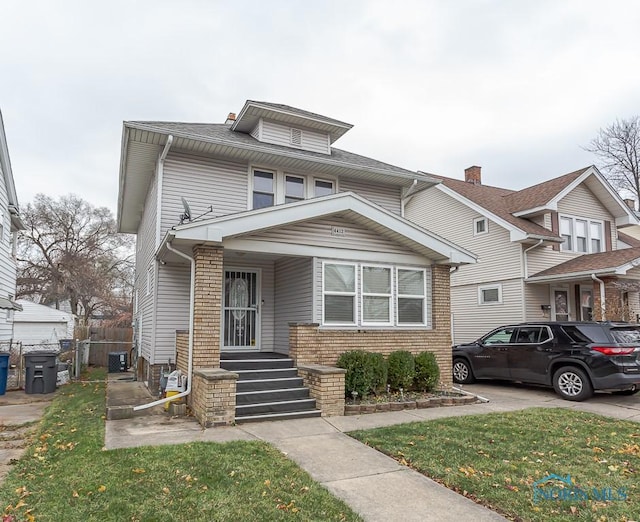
[338,231]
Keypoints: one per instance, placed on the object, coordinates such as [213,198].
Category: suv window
[586,333]
[503,335]
[627,334]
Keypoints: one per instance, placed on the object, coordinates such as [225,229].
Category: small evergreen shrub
[427,372]
[379,369]
[359,377]
[401,369]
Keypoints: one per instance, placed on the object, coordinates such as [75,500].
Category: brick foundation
[213,397]
[326,386]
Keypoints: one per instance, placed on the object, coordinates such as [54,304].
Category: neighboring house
[38,324]
[544,252]
[295,247]
[10,223]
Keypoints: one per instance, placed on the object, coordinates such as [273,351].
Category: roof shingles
[601,262]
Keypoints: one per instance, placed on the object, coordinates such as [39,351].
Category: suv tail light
[613,350]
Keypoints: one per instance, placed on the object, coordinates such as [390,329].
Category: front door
[241,322]
[560,304]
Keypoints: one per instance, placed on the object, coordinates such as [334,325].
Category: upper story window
[322,188]
[294,189]
[275,187]
[263,189]
[480,226]
[580,235]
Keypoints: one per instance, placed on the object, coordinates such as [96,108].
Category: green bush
[427,372]
[380,371]
[402,370]
[359,377]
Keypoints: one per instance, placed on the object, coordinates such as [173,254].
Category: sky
[516,87]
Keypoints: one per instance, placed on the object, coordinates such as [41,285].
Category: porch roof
[614,263]
[418,241]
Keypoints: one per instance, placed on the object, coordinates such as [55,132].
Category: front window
[263,189]
[339,288]
[580,235]
[411,296]
[294,189]
[376,295]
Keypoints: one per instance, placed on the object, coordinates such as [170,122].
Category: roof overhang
[5,165]
[601,188]
[253,111]
[8,304]
[142,145]
[229,231]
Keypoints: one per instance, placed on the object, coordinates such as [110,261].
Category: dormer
[290,127]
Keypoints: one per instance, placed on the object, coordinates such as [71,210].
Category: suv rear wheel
[572,384]
[462,372]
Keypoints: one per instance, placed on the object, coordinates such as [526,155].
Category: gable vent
[296,137]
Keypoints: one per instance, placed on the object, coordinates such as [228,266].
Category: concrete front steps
[268,387]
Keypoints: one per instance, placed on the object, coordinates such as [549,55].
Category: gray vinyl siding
[387,196]
[7,263]
[541,258]
[174,287]
[267,307]
[203,182]
[318,233]
[472,320]
[279,134]
[498,257]
[294,297]
[145,250]
[537,296]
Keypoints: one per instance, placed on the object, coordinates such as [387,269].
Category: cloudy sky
[516,87]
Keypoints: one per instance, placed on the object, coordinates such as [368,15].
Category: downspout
[602,305]
[525,270]
[163,156]
[407,197]
[191,313]
[452,271]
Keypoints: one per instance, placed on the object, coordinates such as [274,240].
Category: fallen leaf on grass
[102,488]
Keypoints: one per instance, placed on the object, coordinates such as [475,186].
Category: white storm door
[241,321]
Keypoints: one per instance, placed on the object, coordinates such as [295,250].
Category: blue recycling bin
[4,372]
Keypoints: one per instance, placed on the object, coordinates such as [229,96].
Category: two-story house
[258,238]
[547,252]
[10,224]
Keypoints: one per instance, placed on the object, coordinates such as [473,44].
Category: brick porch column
[207,306]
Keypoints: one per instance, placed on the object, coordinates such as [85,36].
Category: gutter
[602,304]
[191,313]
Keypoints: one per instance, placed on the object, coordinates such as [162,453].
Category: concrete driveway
[510,396]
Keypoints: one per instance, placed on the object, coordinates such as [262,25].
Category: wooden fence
[104,341]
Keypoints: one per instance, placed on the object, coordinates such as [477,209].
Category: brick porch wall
[310,344]
[182,350]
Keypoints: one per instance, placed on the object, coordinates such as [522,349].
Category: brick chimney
[472,175]
[631,203]
[231,118]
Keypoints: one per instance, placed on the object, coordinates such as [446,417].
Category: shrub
[379,369]
[427,372]
[359,376]
[401,369]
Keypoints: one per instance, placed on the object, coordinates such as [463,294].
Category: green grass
[66,475]
[495,459]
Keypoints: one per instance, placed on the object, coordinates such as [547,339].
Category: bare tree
[618,147]
[70,251]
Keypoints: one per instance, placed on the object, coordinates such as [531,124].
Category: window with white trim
[490,294]
[377,304]
[384,295]
[294,188]
[580,235]
[411,294]
[339,294]
[480,226]
[322,188]
[263,189]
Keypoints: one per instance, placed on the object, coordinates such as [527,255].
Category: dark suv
[575,358]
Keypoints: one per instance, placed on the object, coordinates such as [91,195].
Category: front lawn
[65,475]
[497,459]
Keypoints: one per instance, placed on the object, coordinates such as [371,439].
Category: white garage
[37,324]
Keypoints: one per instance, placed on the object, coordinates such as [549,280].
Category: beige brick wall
[310,344]
[326,386]
[182,351]
[213,397]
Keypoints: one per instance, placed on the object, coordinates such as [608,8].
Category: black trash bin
[118,362]
[41,372]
